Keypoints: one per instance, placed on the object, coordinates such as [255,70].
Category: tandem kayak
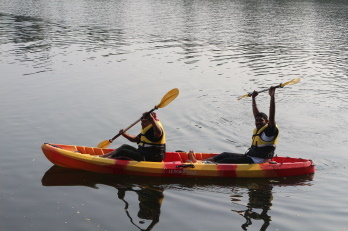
[174,164]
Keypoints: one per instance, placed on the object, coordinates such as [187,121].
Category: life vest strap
[147,145]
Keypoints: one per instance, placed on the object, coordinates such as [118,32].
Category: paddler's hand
[254,94]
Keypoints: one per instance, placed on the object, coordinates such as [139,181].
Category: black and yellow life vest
[257,140]
[145,140]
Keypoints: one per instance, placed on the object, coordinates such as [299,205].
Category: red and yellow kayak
[174,165]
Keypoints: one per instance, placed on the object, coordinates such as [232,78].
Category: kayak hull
[174,165]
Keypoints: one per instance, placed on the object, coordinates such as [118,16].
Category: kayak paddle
[167,99]
[280,85]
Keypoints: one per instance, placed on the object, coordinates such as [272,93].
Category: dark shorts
[139,154]
[232,158]
[154,154]
[261,152]
[127,152]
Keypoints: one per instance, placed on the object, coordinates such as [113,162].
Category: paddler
[264,139]
[151,142]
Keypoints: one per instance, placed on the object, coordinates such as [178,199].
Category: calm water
[75,72]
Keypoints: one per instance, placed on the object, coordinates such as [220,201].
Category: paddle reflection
[150,190]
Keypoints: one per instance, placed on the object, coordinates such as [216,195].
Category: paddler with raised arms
[264,139]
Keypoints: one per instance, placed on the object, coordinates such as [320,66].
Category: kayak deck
[174,165]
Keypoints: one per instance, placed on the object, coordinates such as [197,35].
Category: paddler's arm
[254,105]
[131,138]
[271,121]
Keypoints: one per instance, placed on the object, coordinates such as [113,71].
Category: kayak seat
[81,149]
[184,156]
[89,150]
[98,151]
[172,156]
[199,156]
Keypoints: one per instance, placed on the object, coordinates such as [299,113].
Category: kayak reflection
[150,191]
[150,196]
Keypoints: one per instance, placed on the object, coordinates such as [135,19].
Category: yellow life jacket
[146,142]
[258,141]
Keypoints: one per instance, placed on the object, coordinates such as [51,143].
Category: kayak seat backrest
[99,151]
[66,147]
[90,150]
[172,156]
[199,156]
[81,149]
[183,156]
[204,156]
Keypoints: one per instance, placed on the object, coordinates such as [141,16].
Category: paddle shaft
[278,86]
[124,130]
[166,99]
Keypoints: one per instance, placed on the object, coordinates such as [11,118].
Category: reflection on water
[150,196]
[99,56]
[150,201]
[260,197]
[150,191]
[266,38]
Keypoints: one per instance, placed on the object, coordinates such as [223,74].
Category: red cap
[154,115]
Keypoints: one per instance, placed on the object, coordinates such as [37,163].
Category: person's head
[261,119]
[145,119]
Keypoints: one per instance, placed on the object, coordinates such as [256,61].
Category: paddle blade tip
[291,82]
[168,98]
[104,144]
[243,96]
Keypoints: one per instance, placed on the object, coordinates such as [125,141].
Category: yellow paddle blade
[168,98]
[104,144]
[243,96]
[290,82]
